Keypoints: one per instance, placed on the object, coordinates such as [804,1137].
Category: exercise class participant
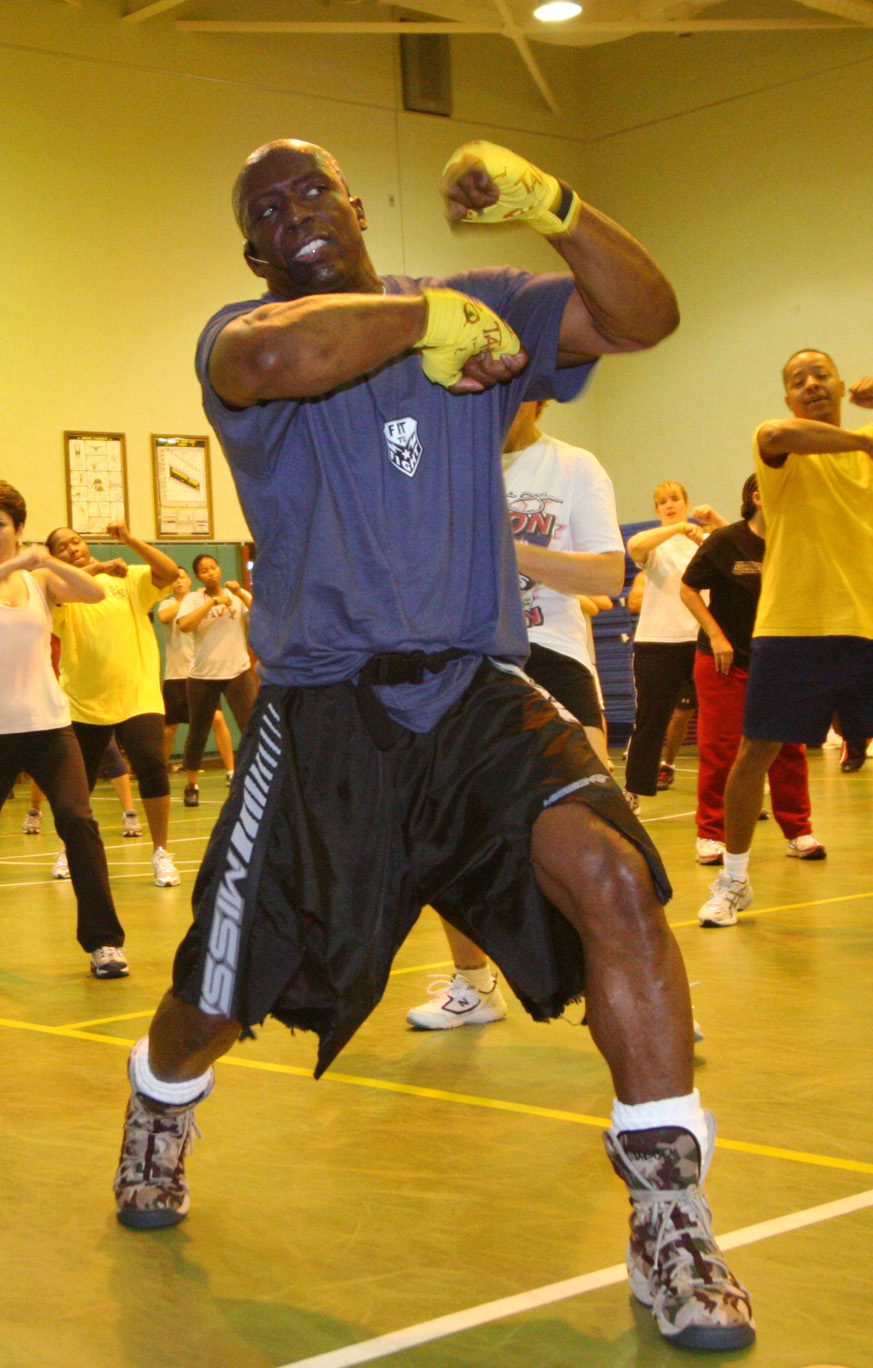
[111,672]
[567,542]
[663,655]
[728,566]
[178,653]
[397,755]
[812,649]
[35,723]
[215,617]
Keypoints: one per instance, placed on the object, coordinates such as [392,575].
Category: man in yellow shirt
[812,651]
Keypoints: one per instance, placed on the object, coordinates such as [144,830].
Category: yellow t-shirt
[110,663]
[818,566]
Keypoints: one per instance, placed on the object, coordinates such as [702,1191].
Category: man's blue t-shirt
[379,510]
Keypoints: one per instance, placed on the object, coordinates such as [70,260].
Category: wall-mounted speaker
[427,73]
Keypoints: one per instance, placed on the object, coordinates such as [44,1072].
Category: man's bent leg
[744,792]
[639,1011]
[636,989]
[170,1072]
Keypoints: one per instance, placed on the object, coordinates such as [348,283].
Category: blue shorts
[797,685]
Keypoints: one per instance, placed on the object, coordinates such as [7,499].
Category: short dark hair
[204,555]
[801,351]
[51,536]
[747,504]
[12,503]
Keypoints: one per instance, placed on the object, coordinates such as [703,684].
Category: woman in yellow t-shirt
[110,671]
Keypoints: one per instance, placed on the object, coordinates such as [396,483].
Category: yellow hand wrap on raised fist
[459,327]
[526,193]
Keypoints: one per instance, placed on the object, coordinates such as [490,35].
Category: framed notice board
[183,489]
[96,470]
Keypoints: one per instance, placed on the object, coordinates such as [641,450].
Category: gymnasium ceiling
[601,21]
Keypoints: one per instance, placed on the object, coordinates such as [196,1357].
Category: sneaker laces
[676,1249]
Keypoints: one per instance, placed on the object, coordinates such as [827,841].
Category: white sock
[482,978]
[736,866]
[683,1111]
[172,1094]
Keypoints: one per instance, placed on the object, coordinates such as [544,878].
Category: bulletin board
[183,488]
[96,472]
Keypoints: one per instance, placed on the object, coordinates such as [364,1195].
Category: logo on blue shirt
[404,448]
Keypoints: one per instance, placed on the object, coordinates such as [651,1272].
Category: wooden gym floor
[438,1200]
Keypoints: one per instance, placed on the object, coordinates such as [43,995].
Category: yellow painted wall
[741,162]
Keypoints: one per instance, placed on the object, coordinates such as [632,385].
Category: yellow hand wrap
[526,192]
[459,327]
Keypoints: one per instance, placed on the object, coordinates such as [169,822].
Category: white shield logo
[404,448]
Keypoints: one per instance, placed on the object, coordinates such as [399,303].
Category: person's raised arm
[236,588]
[786,437]
[306,347]
[572,572]
[60,582]
[643,543]
[164,570]
[623,301]
[168,611]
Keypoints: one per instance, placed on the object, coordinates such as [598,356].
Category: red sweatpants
[720,700]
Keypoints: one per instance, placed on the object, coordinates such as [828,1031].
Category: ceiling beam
[149,11]
[615,28]
[515,34]
[857,11]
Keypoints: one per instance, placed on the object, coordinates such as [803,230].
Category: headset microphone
[249,253]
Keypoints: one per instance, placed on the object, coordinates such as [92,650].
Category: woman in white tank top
[35,723]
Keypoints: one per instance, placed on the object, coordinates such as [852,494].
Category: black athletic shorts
[797,684]
[328,847]
[568,681]
[175,701]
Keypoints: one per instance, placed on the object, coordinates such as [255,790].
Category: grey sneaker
[166,873]
[726,898]
[455,1002]
[32,824]
[60,868]
[150,1187]
[109,961]
[130,824]
[673,1261]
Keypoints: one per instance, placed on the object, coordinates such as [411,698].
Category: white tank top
[30,696]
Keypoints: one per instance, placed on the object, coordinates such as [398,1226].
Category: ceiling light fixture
[557,10]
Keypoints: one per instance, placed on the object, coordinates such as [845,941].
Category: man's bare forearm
[306,347]
[572,572]
[807,437]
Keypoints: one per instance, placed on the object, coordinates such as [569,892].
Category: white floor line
[427,1331]
[668,817]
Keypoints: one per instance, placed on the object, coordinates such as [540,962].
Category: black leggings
[142,738]
[54,760]
[204,696]
[660,670]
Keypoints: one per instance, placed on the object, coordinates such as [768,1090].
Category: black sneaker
[191,797]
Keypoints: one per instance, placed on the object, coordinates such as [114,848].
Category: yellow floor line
[785,907]
[439,1095]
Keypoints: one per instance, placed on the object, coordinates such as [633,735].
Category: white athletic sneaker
[455,1002]
[109,962]
[32,824]
[166,873]
[60,868]
[631,799]
[709,852]
[130,824]
[726,898]
[806,848]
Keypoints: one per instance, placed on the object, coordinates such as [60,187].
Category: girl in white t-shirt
[664,641]
[215,616]
[35,731]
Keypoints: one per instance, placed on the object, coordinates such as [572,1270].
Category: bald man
[397,756]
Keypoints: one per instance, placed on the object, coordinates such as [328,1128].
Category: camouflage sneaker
[673,1261]
[150,1187]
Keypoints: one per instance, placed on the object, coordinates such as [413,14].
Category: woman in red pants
[728,564]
